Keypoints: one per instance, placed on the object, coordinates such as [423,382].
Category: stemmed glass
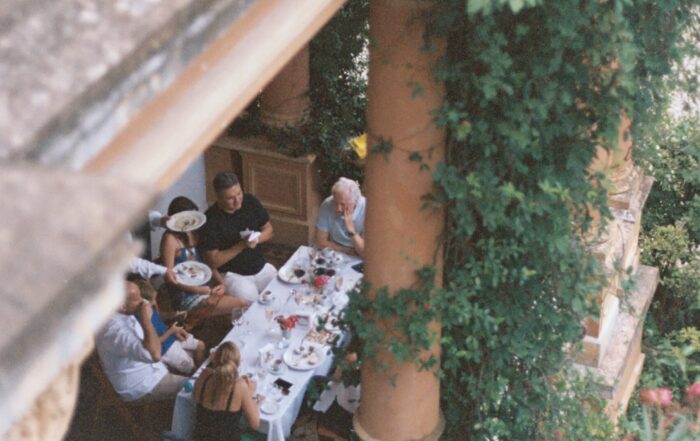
[270,314]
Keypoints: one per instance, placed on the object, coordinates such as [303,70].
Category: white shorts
[248,287]
[179,355]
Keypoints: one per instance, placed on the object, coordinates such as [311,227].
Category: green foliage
[338,96]
[517,186]
[670,152]
[338,99]
[672,361]
[677,298]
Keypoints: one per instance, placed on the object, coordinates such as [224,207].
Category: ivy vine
[533,88]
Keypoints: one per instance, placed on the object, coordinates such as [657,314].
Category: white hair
[345,185]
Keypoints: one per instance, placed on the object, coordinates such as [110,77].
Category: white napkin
[254,236]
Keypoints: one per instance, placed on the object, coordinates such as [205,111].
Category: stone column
[285,100]
[401,236]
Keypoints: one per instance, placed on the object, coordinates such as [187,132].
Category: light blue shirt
[329,221]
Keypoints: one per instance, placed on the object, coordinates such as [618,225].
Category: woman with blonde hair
[222,396]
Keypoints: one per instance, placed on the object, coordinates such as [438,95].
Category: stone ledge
[63,251]
[628,327]
[62,99]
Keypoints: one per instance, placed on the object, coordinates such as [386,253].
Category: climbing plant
[533,87]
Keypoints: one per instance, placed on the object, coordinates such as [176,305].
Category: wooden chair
[134,416]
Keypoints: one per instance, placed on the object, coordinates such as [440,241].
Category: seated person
[235,260]
[341,219]
[222,396]
[341,397]
[180,351]
[177,247]
[130,352]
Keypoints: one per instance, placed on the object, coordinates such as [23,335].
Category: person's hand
[252,385]
[181,334]
[164,220]
[178,331]
[251,243]
[180,316]
[347,219]
[218,290]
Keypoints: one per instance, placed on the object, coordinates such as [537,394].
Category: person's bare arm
[248,404]
[216,258]
[168,248]
[323,240]
[150,338]
[266,233]
[358,242]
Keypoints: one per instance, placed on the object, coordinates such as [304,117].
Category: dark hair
[181,203]
[225,180]
[134,277]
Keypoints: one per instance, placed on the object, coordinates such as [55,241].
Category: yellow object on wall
[359,144]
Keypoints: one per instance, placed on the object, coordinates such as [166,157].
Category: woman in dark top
[222,396]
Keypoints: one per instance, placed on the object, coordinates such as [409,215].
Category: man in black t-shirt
[229,239]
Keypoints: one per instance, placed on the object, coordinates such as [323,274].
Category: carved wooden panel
[278,185]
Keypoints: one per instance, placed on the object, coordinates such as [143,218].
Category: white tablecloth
[254,332]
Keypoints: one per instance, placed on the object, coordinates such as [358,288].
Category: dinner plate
[269,406]
[186,221]
[286,274]
[192,273]
[304,361]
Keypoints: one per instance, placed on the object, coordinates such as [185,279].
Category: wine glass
[270,314]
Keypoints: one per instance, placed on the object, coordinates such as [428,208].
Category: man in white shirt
[341,219]
[130,352]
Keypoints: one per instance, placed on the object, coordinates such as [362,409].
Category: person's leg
[167,388]
[177,358]
[265,276]
[240,286]
[227,304]
[200,353]
[195,348]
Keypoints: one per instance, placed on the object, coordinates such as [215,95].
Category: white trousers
[179,355]
[249,287]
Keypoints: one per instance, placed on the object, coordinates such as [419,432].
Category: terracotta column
[285,100]
[401,236]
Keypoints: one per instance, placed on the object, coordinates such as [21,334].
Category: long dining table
[254,333]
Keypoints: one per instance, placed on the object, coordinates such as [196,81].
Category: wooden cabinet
[288,187]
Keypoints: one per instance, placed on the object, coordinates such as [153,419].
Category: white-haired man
[341,219]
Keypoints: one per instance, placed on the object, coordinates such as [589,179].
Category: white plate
[286,275]
[192,273]
[269,406]
[302,362]
[186,221]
